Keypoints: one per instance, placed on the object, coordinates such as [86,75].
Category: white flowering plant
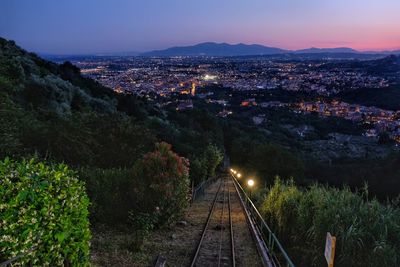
[43,214]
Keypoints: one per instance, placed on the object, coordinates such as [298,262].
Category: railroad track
[216,246]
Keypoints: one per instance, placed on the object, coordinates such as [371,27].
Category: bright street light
[250,182]
[239,175]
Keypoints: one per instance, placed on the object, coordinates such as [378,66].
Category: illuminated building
[119,90]
[193,92]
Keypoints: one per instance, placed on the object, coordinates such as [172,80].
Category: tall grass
[367,232]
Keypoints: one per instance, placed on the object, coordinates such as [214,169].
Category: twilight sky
[97,26]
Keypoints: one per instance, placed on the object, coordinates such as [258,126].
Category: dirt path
[178,244]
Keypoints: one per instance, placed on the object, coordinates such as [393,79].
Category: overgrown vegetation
[43,214]
[162,183]
[52,113]
[367,231]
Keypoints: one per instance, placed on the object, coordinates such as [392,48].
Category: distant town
[161,79]
[178,74]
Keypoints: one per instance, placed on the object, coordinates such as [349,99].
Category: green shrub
[45,207]
[143,223]
[162,183]
[198,170]
[213,157]
[367,232]
[9,128]
[111,194]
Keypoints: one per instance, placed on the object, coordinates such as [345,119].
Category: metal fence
[275,248]
[199,190]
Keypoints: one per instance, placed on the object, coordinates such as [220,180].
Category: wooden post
[330,247]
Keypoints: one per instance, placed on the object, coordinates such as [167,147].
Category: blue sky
[95,26]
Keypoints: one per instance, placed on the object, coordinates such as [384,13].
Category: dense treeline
[387,98]
[382,175]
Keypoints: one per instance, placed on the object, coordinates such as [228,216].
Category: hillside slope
[52,111]
[40,84]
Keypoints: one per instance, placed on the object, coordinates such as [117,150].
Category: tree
[162,183]
[198,170]
[213,157]
[271,160]
[384,138]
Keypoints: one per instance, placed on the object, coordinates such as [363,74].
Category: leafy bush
[162,183]
[158,182]
[143,223]
[198,170]
[213,157]
[43,207]
[203,165]
[9,128]
[366,231]
[153,193]
[111,194]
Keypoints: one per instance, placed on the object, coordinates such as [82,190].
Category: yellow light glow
[239,175]
[250,182]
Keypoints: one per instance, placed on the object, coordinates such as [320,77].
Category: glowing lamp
[250,182]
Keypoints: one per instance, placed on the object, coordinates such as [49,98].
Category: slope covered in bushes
[53,114]
[52,111]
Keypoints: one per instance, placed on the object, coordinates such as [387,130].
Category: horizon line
[372,50]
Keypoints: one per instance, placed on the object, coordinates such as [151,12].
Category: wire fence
[199,190]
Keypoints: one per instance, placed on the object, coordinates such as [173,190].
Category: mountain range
[225,49]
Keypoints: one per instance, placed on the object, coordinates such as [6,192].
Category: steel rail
[225,221]
[194,259]
[231,230]
[222,228]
